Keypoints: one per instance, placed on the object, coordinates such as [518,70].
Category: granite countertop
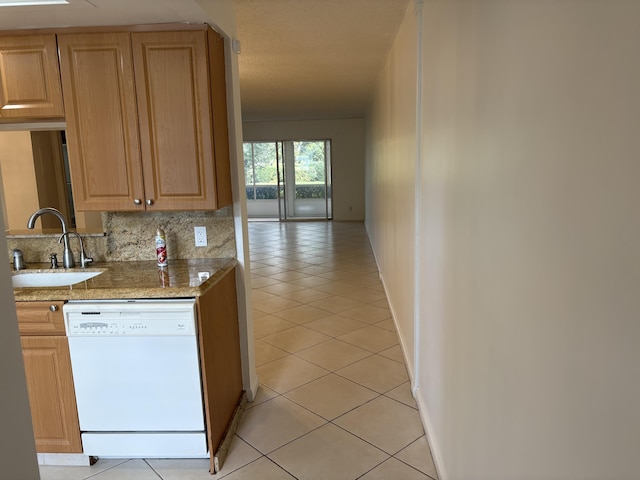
[137,279]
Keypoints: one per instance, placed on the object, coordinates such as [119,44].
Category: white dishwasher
[136,373]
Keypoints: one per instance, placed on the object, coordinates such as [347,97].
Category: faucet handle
[85,260]
[54,260]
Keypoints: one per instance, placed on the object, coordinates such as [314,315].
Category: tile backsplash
[130,236]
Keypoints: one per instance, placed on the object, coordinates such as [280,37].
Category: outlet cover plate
[201,236]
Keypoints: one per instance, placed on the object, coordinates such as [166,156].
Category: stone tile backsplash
[130,236]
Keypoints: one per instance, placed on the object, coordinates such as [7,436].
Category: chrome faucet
[84,260]
[67,259]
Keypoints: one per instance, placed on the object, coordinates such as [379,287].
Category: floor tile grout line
[289,355]
[334,371]
[336,337]
[367,441]
[371,469]
[152,469]
[373,445]
[262,455]
[341,367]
[126,460]
[345,378]
[325,418]
[395,458]
[280,466]
[301,385]
[399,402]
[331,371]
[416,468]
[289,441]
[329,312]
[381,393]
[364,326]
[310,432]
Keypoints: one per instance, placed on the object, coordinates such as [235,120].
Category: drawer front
[40,318]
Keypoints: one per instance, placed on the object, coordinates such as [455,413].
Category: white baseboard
[436,453]
[253,389]
[417,393]
[401,340]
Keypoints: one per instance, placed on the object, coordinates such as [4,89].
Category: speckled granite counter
[137,279]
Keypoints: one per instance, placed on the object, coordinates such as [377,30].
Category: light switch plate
[201,236]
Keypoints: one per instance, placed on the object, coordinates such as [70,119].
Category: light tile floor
[334,399]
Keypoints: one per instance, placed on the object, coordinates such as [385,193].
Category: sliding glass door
[261,178]
[288,180]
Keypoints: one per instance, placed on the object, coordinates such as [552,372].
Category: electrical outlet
[201,236]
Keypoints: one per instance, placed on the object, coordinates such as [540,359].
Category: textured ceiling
[300,59]
[101,12]
[315,59]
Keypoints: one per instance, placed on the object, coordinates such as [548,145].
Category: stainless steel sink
[62,278]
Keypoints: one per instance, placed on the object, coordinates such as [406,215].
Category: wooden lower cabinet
[219,357]
[49,379]
[45,349]
[40,318]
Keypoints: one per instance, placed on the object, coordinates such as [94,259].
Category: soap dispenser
[18,259]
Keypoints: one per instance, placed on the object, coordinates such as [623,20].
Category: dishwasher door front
[137,383]
[136,373]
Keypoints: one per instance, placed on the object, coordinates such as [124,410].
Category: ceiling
[101,12]
[316,59]
[300,59]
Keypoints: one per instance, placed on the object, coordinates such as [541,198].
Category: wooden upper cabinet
[172,83]
[29,78]
[102,123]
[217,77]
[147,129]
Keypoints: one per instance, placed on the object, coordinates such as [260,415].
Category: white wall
[527,223]
[222,16]
[347,156]
[391,139]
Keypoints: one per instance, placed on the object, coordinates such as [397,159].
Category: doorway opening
[288,180]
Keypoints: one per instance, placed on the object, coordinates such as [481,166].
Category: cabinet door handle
[149,202]
[53,308]
[137,201]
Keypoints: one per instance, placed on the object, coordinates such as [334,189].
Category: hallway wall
[390,180]
[527,233]
[347,155]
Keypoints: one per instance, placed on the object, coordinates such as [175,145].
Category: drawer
[40,318]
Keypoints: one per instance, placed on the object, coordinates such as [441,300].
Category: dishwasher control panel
[78,327]
[150,318]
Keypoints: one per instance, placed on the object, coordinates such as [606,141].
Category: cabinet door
[221,366]
[40,318]
[220,125]
[30,79]
[174,108]
[102,125]
[51,394]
